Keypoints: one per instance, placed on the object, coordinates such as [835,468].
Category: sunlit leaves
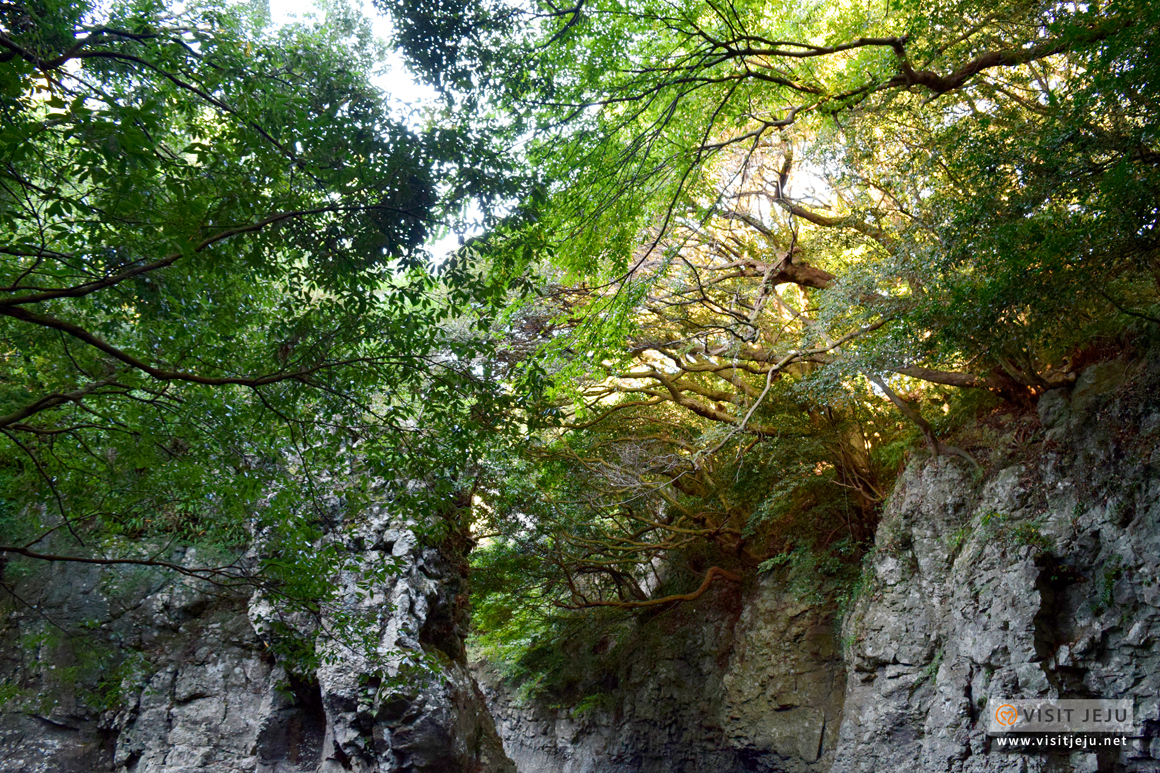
[976,183]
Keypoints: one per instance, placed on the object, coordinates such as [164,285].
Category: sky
[405,92]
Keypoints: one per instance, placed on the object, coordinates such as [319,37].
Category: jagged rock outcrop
[1041,580]
[197,690]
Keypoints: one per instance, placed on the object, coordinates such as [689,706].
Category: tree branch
[51,401]
[579,602]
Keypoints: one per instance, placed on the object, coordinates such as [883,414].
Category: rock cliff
[1035,575]
[1038,580]
[731,685]
[195,688]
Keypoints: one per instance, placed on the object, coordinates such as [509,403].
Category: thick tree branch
[906,409]
[52,401]
[579,602]
[225,576]
[1012,57]
[79,291]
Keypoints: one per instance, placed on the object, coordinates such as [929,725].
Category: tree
[784,220]
[214,296]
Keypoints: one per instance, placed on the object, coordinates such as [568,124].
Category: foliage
[781,241]
[957,539]
[1112,571]
[58,665]
[1030,534]
[814,573]
[218,319]
[771,244]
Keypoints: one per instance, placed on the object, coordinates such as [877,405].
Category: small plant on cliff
[958,538]
[1030,534]
[1106,584]
[600,702]
[814,575]
[1023,534]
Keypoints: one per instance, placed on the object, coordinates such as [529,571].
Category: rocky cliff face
[733,685]
[196,689]
[1036,575]
[1041,580]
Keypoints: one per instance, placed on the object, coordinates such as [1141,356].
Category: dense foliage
[775,246]
[785,241]
[215,303]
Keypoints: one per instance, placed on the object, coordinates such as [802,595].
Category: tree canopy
[761,250]
[785,241]
[215,295]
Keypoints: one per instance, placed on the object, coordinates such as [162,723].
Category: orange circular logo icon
[1006,715]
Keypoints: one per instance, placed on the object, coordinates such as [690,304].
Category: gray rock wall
[196,689]
[754,686]
[1041,580]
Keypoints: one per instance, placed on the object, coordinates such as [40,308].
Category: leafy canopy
[782,240]
[214,293]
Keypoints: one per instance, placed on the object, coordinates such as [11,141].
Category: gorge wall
[1041,580]
[1036,575]
[201,691]
[732,685]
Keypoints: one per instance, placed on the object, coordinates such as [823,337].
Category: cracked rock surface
[200,692]
[741,684]
[1040,580]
